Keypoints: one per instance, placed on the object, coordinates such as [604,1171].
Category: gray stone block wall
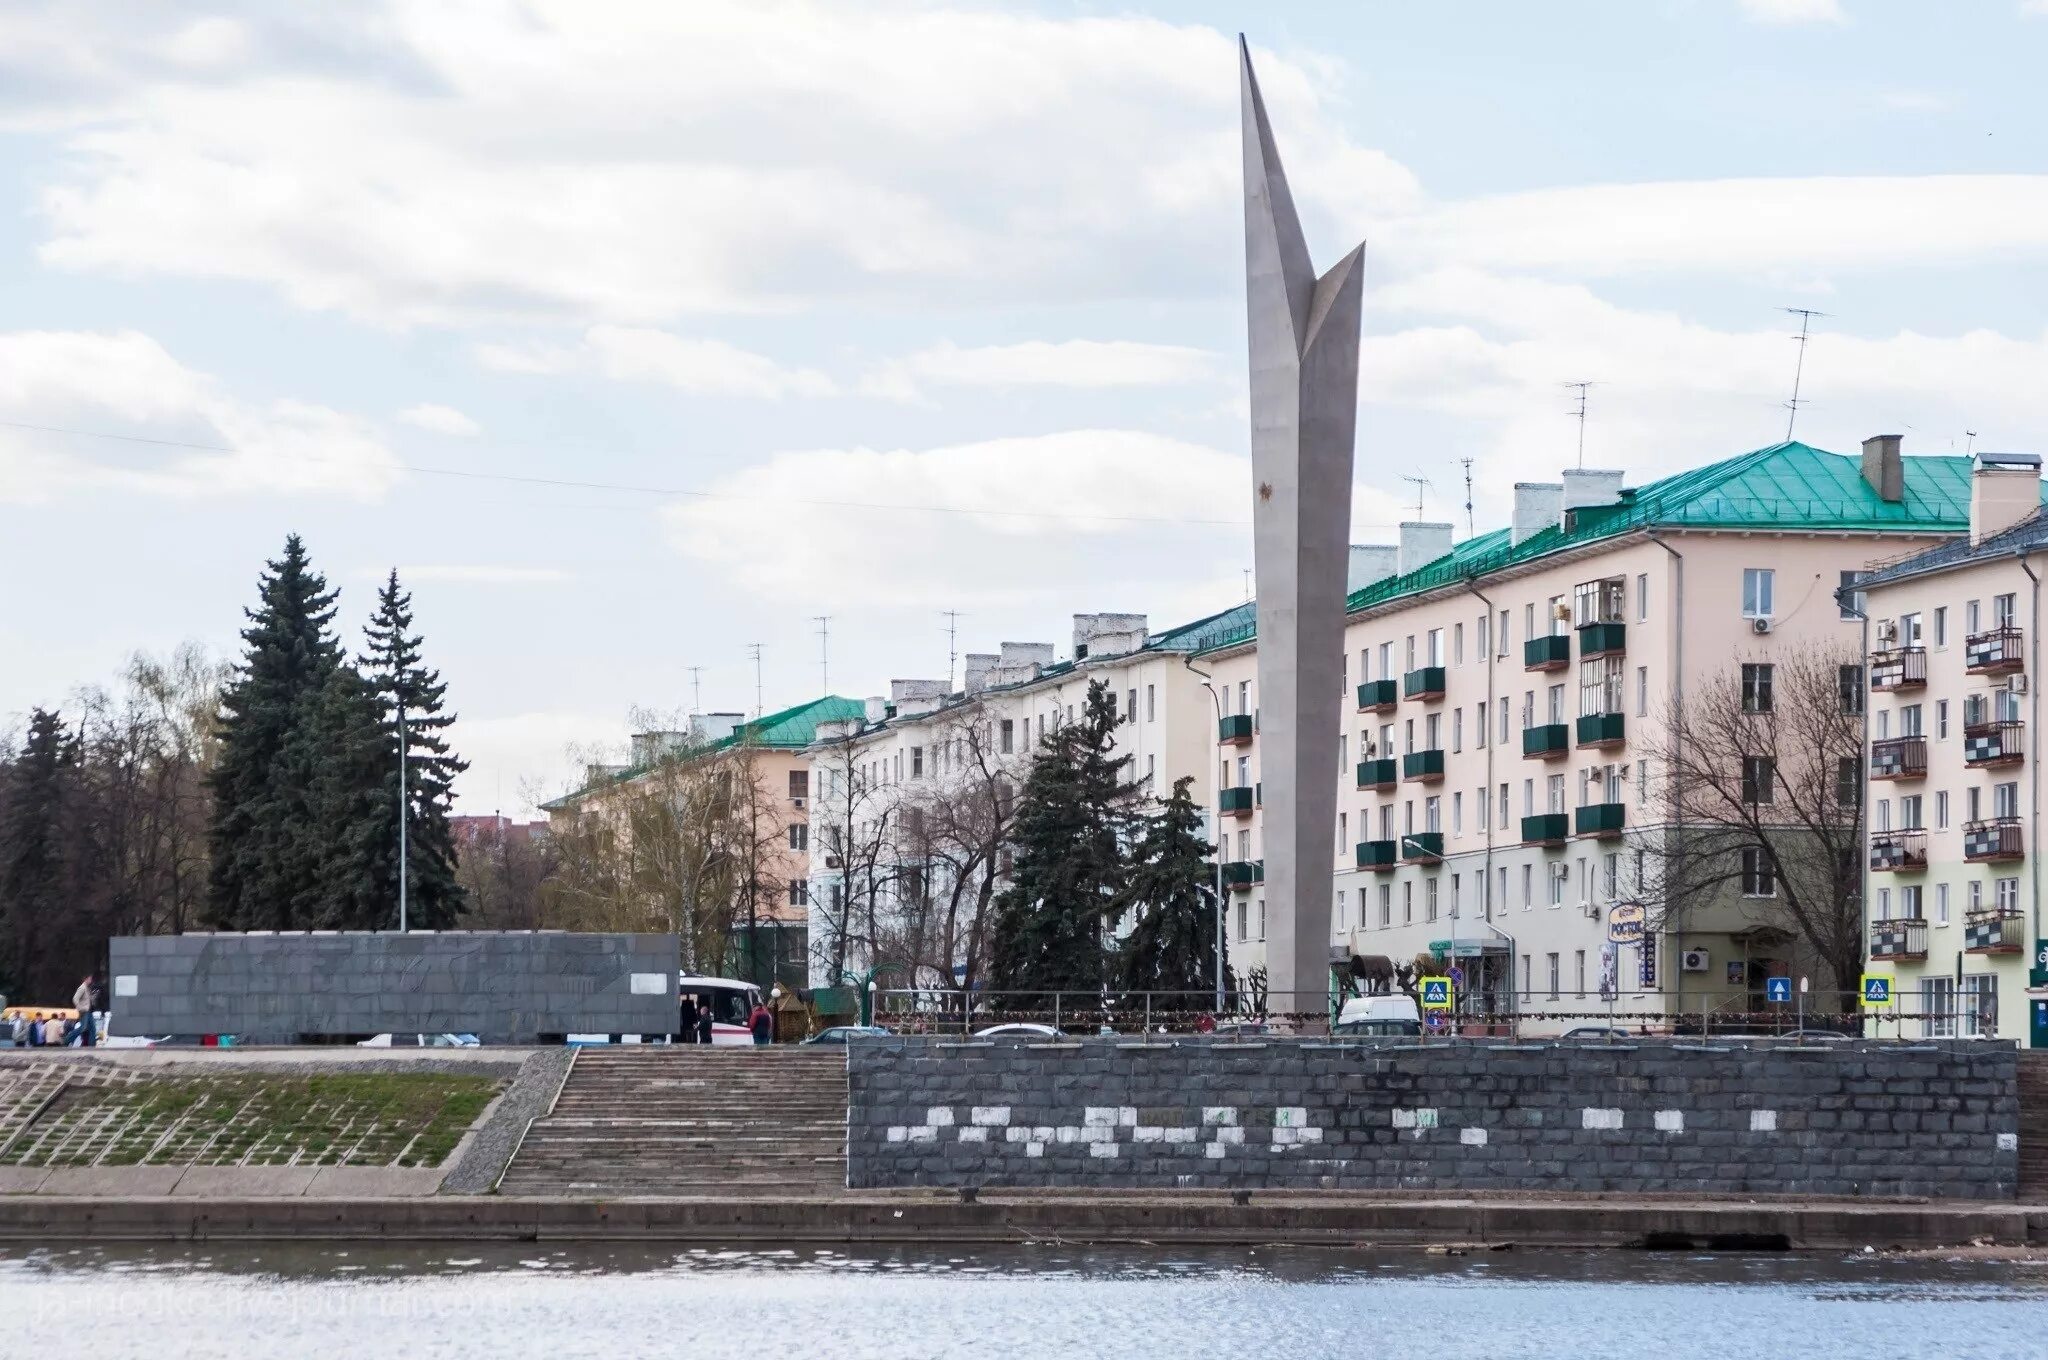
[503,987]
[1658,1117]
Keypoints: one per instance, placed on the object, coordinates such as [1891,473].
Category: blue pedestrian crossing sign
[1877,989]
[1778,989]
[1436,993]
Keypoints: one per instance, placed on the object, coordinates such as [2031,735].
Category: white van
[1380,1015]
[731,1002]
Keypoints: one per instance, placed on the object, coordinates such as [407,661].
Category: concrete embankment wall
[1656,1117]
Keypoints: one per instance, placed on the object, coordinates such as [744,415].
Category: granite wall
[1660,1116]
[503,987]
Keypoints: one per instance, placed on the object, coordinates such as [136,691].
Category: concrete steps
[690,1121]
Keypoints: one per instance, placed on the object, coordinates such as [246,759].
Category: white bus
[731,1003]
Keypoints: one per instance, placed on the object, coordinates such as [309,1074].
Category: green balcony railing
[1377,695]
[1546,828]
[1376,855]
[1424,847]
[1235,728]
[1426,682]
[1600,819]
[1602,639]
[1423,765]
[1239,874]
[1547,653]
[1600,729]
[1235,801]
[1551,739]
[1377,774]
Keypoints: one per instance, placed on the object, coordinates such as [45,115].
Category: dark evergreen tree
[1172,899]
[266,863]
[339,755]
[407,689]
[36,789]
[1070,834]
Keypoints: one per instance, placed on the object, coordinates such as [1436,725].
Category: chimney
[1591,486]
[980,665]
[2005,488]
[911,697]
[1421,544]
[1021,661]
[878,708]
[1538,506]
[706,728]
[1371,563]
[1107,634]
[1886,471]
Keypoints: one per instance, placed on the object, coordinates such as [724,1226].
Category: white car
[1020,1031]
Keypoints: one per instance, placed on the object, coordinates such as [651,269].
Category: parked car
[1379,1015]
[845,1034]
[1599,1032]
[1243,1029]
[1020,1031]
[421,1041]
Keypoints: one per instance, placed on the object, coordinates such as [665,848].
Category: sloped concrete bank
[1161,1220]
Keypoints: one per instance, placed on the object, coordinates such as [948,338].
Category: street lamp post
[1222,766]
[403,818]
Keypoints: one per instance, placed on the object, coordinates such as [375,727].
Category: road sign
[2038,977]
[1778,989]
[1436,993]
[1877,989]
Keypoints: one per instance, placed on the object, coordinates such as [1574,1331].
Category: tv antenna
[1247,583]
[1580,388]
[824,622]
[1970,443]
[696,688]
[754,651]
[952,618]
[1466,463]
[1421,484]
[1806,316]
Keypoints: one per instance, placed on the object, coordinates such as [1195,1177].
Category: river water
[424,1302]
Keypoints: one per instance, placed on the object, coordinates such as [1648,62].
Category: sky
[636,335]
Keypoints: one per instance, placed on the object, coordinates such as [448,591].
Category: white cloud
[481,574]
[1794,11]
[124,383]
[640,354]
[439,419]
[1042,363]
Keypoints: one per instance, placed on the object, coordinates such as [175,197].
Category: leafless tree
[856,824]
[504,874]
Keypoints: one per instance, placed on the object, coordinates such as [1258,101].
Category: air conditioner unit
[1591,909]
[1695,961]
[1887,630]
[831,861]
[2018,684]
[797,803]
[1759,626]
[1564,611]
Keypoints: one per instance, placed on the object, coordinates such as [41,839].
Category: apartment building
[1953,890]
[1503,697]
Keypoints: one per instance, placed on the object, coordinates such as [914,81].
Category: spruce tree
[406,688]
[1071,825]
[339,755]
[34,870]
[1172,898]
[266,864]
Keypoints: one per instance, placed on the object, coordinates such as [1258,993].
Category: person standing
[83,1000]
[762,1022]
[688,1029]
[704,1020]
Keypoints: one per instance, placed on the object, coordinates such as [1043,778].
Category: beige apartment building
[1954,872]
[1505,696]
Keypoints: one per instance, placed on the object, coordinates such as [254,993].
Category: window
[1408,903]
[1642,691]
[2005,800]
[799,836]
[1556,708]
[1343,832]
[1910,812]
[1131,704]
[1436,647]
[1429,898]
[1849,687]
[1970,615]
[1457,729]
[1408,652]
[2003,608]
[1556,877]
[1600,682]
[1500,893]
[1551,960]
[1457,644]
[1528,886]
[799,893]
[1485,811]
[917,762]
[1386,905]
[1642,782]
[1554,794]
[1941,720]
[2008,896]
[1501,634]
[1643,598]
[1008,741]
[1503,721]
[1941,904]
[1759,779]
[1151,703]
[1482,638]
[1759,879]
[1758,585]
[1884,904]
[1598,602]
[1432,813]
[1974,899]
[1909,902]
[1243,921]
[1941,625]
[1909,630]
[1941,809]
[1244,696]
[1244,845]
[1262,918]
[1973,804]
[1151,767]
[1909,720]
[1850,601]
[1610,875]
[1503,822]
[799,783]
[1756,687]
[1457,814]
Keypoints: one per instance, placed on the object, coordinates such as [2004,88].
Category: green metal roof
[792,729]
[1789,487]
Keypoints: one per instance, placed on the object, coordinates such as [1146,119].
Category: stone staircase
[690,1121]
[2033,1125]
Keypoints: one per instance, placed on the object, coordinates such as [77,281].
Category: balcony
[1422,767]
[1378,696]
[1898,668]
[1425,683]
[1240,874]
[1903,938]
[1996,651]
[1377,856]
[1601,730]
[1424,847]
[1552,653]
[1994,840]
[1600,819]
[1899,758]
[1898,852]
[1234,730]
[1995,930]
[1235,802]
[1545,828]
[1377,774]
[1602,639]
[1988,745]
[1547,742]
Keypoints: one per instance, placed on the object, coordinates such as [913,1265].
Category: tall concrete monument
[1304,403]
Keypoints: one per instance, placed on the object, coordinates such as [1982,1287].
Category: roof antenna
[1421,484]
[754,650]
[952,618]
[1970,446]
[1806,316]
[1581,414]
[824,622]
[1466,463]
[696,688]
[1247,584]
